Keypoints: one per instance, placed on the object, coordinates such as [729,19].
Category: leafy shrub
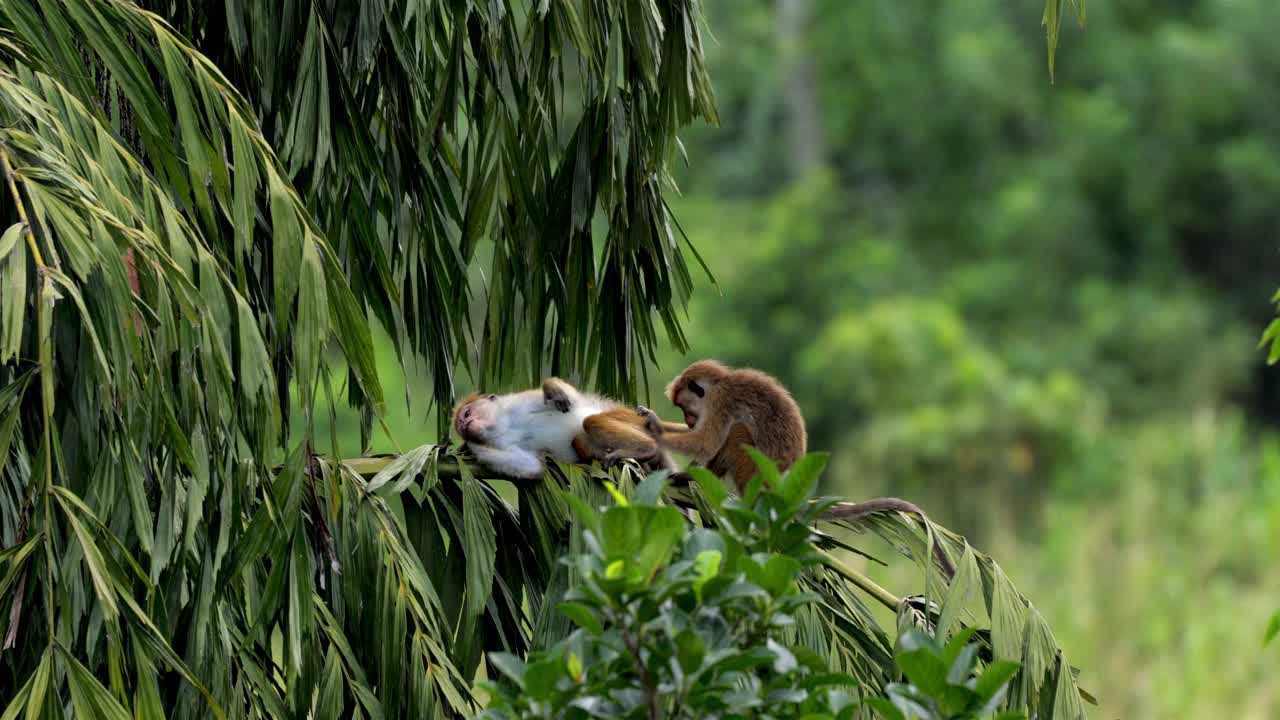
[942,682]
[681,622]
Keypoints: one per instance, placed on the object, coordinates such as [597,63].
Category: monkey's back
[761,403]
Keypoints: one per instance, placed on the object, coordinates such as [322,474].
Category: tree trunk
[801,117]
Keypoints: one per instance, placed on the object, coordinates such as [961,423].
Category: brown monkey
[512,433]
[725,409]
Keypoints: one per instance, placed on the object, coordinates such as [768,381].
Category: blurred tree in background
[1030,307]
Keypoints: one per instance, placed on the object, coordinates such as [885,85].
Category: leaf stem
[46,384]
[22,210]
[863,582]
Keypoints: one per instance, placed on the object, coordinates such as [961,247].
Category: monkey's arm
[655,425]
[514,462]
[673,427]
[700,443]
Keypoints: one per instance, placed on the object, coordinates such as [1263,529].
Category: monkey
[512,433]
[724,409]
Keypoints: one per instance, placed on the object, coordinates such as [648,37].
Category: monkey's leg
[582,446]
[619,434]
[556,393]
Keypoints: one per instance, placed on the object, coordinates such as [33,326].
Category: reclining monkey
[512,434]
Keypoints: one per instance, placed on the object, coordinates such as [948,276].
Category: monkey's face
[476,419]
[689,394]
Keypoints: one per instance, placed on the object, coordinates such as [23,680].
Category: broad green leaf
[89,698]
[479,544]
[102,584]
[920,661]
[540,678]
[801,479]
[963,586]
[650,489]
[329,702]
[146,699]
[994,679]
[299,626]
[648,535]
[13,277]
[510,666]
[17,557]
[581,615]
[313,322]
[287,242]
[712,486]
[9,240]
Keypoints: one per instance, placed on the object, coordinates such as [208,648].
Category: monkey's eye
[696,389]
[492,398]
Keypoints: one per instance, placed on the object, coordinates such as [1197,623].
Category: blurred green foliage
[1030,307]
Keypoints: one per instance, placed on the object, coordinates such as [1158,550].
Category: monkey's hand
[554,395]
[652,423]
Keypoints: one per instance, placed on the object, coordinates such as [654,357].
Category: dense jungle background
[1031,307]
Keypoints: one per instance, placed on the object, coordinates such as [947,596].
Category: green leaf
[884,709]
[540,678]
[801,480]
[287,242]
[707,566]
[767,472]
[146,700]
[38,687]
[712,486]
[1273,629]
[9,240]
[650,489]
[581,615]
[351,327]
[995,678]
[13,277]
[963,586]
[299,625]
[479,544]
[690,650]
[510,666]
[89,698]
[17,557]
[329,697]
[98,572]
[647,534]
[573,665]
[313,322]
[920,661]
[775,576]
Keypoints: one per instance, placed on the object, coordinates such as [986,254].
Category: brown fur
[737,407]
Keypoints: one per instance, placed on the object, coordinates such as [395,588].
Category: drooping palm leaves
[166,283]
[195,208]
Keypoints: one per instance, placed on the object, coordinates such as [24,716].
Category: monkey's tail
[854,510]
